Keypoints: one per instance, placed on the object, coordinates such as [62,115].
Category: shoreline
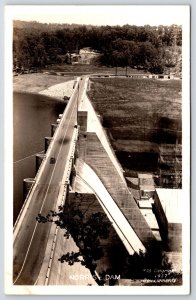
[59,90]
[53,86]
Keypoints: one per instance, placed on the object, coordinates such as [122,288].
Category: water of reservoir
[33,116]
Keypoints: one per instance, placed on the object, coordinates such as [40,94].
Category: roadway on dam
[31,237]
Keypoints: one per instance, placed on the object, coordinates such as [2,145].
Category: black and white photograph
[97,127]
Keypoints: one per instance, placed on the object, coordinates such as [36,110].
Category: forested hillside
[155,49]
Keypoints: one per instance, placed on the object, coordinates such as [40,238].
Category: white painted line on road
[72,149]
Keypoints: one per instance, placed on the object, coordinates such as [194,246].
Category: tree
[122,46]
[156,66]
[86,232]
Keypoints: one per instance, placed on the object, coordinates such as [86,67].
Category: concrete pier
[39,158]
[53,128]
[27,184]
[47,143]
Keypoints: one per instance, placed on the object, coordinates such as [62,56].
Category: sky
[102,15]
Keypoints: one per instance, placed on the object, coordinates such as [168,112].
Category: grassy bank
[139,109]
[139,115]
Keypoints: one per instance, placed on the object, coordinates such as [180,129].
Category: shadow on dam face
[138,161]
[63,141]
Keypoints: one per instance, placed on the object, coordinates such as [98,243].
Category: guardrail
[23,206]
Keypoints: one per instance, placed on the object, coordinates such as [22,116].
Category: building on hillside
[85,56]
[88,55]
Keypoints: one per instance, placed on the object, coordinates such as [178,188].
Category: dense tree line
[146,47]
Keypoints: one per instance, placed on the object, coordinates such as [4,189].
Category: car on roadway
[52,160]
